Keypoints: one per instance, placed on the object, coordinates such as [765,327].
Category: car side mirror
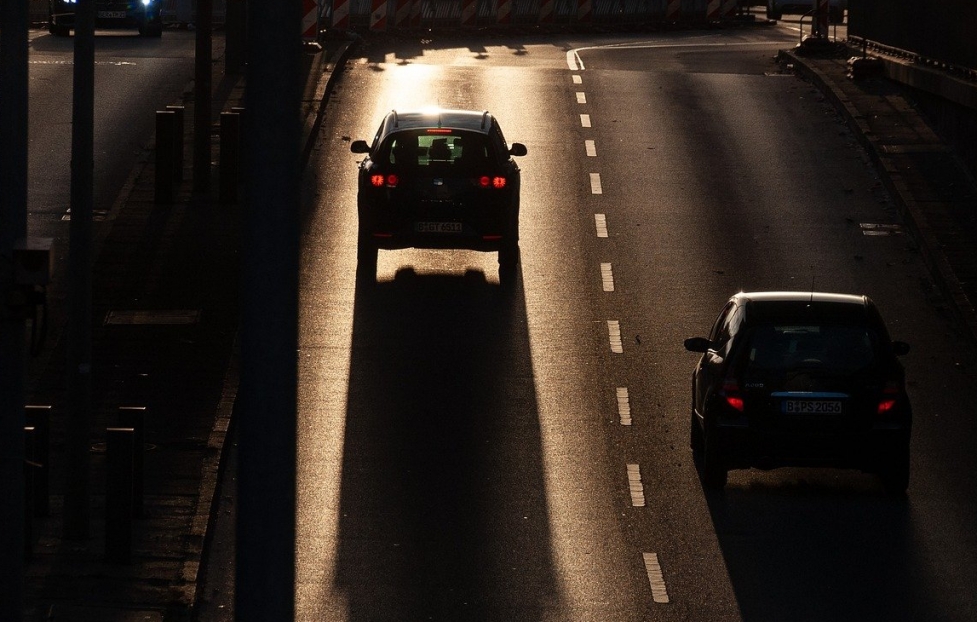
[518,149]
[359,146]
[900,348]
[698,344]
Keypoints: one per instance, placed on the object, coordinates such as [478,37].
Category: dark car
[777,8]
[143,15]
[800,379]
[438,179]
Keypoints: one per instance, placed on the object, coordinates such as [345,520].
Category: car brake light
[379,181]
[731,392]
[496,182]
[890,395]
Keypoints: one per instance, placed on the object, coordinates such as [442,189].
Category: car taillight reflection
[497,182]
[379,181]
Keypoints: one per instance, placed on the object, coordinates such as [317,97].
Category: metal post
[202,96]
[39,417]
[118,494]
[230,154]
[265,587]
[14,22]
[134,417]
[165,139]
[178,130]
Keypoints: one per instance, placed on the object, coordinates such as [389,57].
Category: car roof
[785,306]
[471,120]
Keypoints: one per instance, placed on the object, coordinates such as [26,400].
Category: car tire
[713,470]
[895,474]
[366,260]
[695,439]
[508,266]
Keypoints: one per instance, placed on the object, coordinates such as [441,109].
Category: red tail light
[731,392]
[379,181]
[890,395]
[496,182]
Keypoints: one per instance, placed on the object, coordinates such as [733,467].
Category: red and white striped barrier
[378,16]
[503,11]
[729,9]
[468,12]
[713,8]
[585,10]
[402,11]
[546,11]
[673,10]
[310,19]
[340,14]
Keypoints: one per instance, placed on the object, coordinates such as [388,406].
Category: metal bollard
[39,417]
[118,494]
[135,417]
[165,128]
[177,141]
[230,156]
[30,442]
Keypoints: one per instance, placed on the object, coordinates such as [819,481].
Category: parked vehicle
[777,8]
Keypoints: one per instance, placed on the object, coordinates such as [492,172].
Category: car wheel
[366,260]
[508,266]
[713,472]
[695,439]
[895,474]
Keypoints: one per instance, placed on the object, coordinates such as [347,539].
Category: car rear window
[437,147]
[837,347]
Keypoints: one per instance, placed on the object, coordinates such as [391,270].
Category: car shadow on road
[813,545]
[443,509]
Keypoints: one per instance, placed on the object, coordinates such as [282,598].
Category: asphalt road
[468,456]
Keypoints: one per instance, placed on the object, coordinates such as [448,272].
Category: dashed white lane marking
[654,569]
[601,221]
[591,148]
[635,486]
[585,120]
[581,97]
[614,336]
[595,187]
[577,79]
[607,277]
[624,405]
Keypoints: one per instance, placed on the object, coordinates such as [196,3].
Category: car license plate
[811,407]
[438,227]
[112,14]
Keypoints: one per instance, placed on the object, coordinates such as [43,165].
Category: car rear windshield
[437,148]
[840,348]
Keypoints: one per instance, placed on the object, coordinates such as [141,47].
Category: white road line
[635,486]
[585,120]
[658,591]
[607,277]
[591,148]
[581,97]
[577,79]
[601,221]
[573,61]
[624,405]
[614,336]
[595,187]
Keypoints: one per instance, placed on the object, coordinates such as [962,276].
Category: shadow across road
[443,509]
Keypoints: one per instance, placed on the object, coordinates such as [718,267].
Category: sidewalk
[165,310]
[932,189]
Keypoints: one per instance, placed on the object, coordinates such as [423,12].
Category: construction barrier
[310,19]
